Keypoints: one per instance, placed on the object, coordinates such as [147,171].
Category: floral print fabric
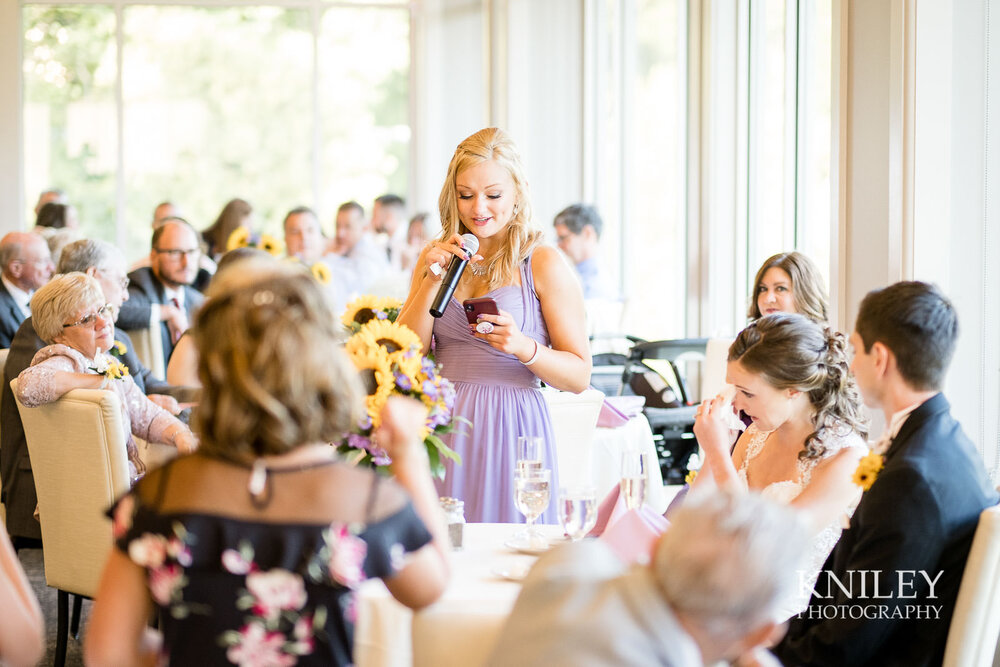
[254,594]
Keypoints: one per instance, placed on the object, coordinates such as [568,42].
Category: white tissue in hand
[729,416]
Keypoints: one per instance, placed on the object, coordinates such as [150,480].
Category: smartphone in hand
[482,305]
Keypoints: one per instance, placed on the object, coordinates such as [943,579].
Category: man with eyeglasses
[26,266]
[105,263]
[161,296]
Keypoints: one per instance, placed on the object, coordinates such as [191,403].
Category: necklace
[479,268]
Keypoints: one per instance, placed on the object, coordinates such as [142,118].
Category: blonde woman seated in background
[251,549]
[22,627]
[807,430]
[69,313]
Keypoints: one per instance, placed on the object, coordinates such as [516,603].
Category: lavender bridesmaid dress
[502,399]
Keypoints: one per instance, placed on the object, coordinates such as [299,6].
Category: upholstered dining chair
[80,465]
[148,344]
[975,625]
[574,423]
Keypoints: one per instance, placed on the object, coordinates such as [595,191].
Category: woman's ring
[484,327]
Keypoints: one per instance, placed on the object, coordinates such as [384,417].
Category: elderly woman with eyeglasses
[70,315]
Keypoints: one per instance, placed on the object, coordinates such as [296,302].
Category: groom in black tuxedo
[910,536]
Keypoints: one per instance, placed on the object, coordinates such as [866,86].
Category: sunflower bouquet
[244,238]
[388,357]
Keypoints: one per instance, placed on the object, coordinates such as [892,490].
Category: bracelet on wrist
[534,355]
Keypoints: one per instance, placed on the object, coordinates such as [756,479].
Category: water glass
[577,510]
[635,470]
[529,453]
[532,495]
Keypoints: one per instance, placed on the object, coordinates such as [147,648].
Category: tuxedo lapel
[932,406]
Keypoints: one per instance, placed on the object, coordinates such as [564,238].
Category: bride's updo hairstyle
[790,351]
[520,235]
[271,363]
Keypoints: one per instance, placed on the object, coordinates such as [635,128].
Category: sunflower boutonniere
[868,469]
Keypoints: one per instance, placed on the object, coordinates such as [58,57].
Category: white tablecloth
[606,459]
[460,628]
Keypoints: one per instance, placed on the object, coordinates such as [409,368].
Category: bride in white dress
[807,434]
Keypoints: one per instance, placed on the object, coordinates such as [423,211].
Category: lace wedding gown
[788,490]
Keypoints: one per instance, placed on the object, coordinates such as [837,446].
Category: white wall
[11,190]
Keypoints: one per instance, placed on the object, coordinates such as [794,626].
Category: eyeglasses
[104,312]
[176,253]
[123,281]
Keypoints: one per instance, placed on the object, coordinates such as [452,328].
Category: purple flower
[431,390]
[381,314]
[403,382]
[438,417]
[379,456]
[427,365]
[365,422]
[358,441]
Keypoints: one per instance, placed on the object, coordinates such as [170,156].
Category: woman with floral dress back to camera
[538,336]
[250,550]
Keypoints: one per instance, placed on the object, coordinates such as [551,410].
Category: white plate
[522,547]
[512,571]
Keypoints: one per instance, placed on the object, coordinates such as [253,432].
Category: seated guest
[710,593]
[22,632]
[272,532]
[161,296]
[70,314]
[578,229]
[57,216]
[103,262]
[304,238]
[183,367]
[390,227]
[417,236]
[25,265]
[235,214]
[925,489]
[365,264]
[55,195]
[807,430]
[789,282]
[163,213]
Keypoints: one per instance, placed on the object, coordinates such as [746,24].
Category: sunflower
[271,245]
[868,469]
[321,272]
[240,238]
[361,310]
[392,336]
[375,369]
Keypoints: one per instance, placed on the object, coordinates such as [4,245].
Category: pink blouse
[140,416]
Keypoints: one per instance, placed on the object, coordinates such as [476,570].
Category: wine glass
[577,510]
[635,470]
[529,452]
[532,495]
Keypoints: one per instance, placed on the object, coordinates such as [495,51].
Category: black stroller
[666,373]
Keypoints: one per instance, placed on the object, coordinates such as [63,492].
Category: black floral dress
[233,591]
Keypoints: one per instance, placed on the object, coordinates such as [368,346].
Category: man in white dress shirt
[26,265]
[390,225]
[712,591]
[365,263]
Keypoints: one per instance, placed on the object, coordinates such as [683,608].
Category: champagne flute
[532,496]
[635,470]
[577,510]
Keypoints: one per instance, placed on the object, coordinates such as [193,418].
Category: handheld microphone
[450,281]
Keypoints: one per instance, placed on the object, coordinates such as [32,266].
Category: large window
[127,105]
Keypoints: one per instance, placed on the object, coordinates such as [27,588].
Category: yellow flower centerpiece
[244,238]
[388,357]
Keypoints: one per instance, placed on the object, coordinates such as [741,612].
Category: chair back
[975,625]
[148,344]
[80,465]
[574,422]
